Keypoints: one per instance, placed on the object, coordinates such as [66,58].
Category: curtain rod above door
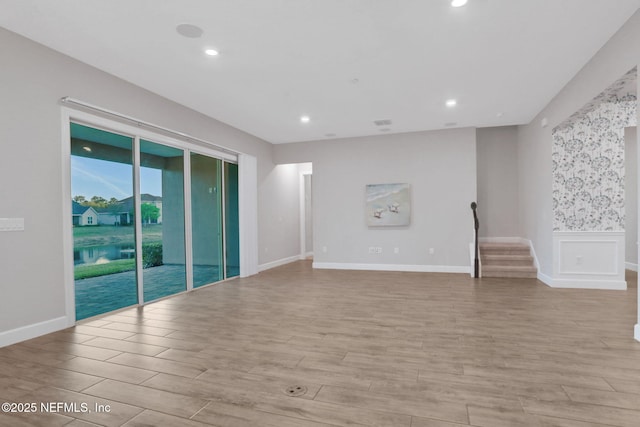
[142,123]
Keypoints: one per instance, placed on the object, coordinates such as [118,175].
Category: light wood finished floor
[369,348]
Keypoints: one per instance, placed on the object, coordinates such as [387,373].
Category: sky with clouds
[92,177]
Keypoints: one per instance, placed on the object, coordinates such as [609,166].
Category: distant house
[83,215]
[127,204]
[116,214]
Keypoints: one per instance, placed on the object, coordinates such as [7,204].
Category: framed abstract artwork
[388,205]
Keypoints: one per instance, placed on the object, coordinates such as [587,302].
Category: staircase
[512,260]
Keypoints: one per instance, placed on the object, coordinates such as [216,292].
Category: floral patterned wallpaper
[588,161]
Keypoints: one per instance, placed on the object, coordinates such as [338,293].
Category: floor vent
[295,390]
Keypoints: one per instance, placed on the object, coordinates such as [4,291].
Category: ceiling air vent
[383,122]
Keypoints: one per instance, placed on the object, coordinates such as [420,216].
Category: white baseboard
[617,285]
[393,267]
[631,266]
[31,331]
[636,331]
[278,263]
[547,280]
[306,256]
[581,283]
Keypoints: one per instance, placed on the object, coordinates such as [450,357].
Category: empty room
[319,213]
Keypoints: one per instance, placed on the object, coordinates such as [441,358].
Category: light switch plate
[11,224]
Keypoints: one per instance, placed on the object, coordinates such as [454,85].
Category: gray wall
[33,78]
[441,168]
[631,194]
[497,159]
[280,229]
[620,54]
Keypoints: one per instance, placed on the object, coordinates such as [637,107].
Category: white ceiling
[280,59]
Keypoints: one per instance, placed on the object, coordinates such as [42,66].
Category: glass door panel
[206,219]
[232,230]
[162,218]
[102,216]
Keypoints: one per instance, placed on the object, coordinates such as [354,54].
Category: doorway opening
[306,210]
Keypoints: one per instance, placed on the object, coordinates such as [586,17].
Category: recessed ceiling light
[458,3]
[211,52]
[305,119]
[451,102]
[85,148]
[189,30]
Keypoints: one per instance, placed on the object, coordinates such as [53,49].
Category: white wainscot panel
[590,260]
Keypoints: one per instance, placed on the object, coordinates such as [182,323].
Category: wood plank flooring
[368,348]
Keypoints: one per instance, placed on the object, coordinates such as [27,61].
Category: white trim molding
[278,263]
[394,267]
[32,331]
[546,279]
[588,260]
[636,331]
[631,266]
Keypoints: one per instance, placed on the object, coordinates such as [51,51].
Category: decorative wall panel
[588,161]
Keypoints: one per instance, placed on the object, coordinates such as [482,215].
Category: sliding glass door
[162,220]
[231,220]
[102,214]
[130,220]
[206,219]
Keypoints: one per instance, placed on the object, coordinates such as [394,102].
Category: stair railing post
[476,258]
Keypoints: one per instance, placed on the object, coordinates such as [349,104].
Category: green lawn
[95,270]
[100,235]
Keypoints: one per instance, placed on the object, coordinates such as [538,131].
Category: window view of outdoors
[104,217]
[162,215]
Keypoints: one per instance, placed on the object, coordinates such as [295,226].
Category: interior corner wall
[279,222]
[497,163]
[31,170]
[440,167]
[619,55]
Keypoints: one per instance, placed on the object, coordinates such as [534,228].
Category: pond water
[99,254]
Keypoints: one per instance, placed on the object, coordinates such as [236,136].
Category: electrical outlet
[324,249]
[396,250]
[372,250]
[579,260]
[432,251]
[378,250]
